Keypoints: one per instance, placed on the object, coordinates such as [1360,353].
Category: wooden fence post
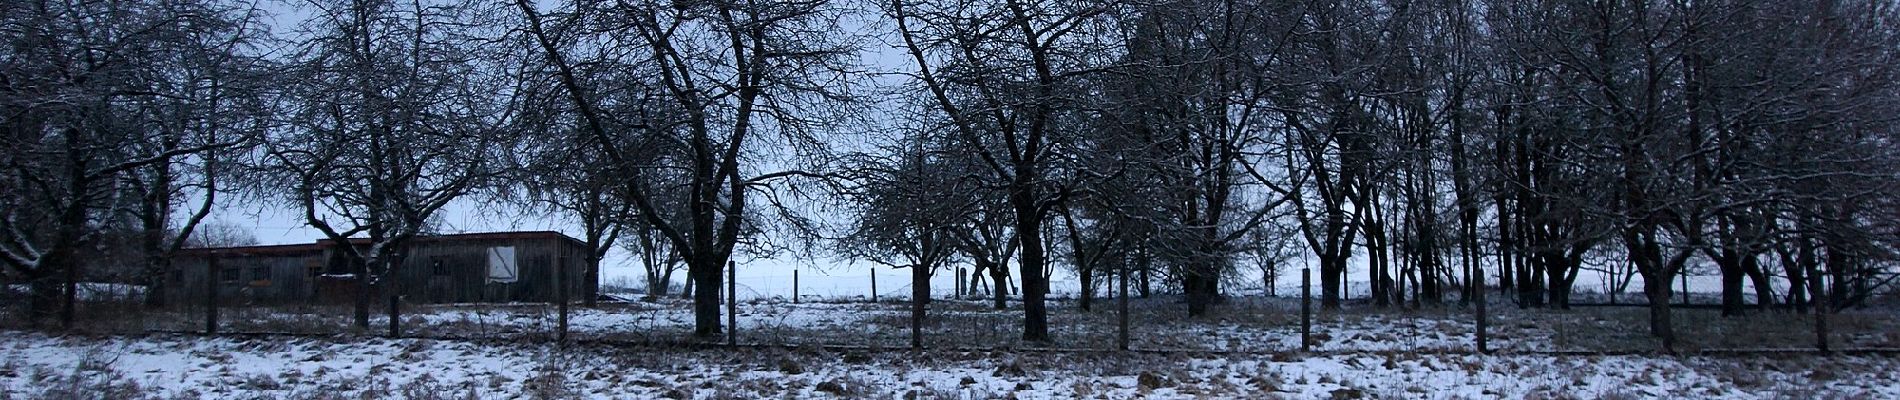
[1306,308]
[794,286]
[732,304]
[1477,290]
[874,285]
[1121,308]
[392,287]
[1820,309]
[960,283]
[395,315]
[560,294]
[1685,286]
[212,280]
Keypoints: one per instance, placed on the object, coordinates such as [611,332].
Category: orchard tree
[734,78]
[396,111]
[98,96]
[908,206]
[1004,74]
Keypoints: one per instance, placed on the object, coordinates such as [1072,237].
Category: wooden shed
[461,268]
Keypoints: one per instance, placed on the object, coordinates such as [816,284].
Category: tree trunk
[1197,284]
[364,293]
[68,309]
[155,284]
[975,282]
[1430,268]
[1560,284]
[1035,286]
[1506,281]
[666,282]
[1764,290]
[1267,280]
[1557,274]
[1087,275]
[999,277]
[706,279]
[590,283]
[1731,270]
[919,299]
[1146,264]
[1332,269]
[1529,287]
[1798,289]
[1377,258]
[1656,288]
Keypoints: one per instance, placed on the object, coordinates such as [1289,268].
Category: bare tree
[1003,73]
[1329,129]
[1193,96]
[395,116]
[219,103]
[908,206]
[569,177]
[728,70]
[220,234]
[988,238]
[92,94]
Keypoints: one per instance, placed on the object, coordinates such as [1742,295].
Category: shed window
[229,275]
[502,267]
[260,273]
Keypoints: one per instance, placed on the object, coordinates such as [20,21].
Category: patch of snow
[222,367]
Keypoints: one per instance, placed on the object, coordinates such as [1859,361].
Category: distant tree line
[1180,144]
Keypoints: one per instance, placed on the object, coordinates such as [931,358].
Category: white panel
[501,265]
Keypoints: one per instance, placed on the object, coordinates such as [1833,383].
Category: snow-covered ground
[35,365]
[1248,347]
[91,291]
[1241,325]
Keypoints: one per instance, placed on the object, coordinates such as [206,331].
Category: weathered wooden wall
[266,276]
[441,269]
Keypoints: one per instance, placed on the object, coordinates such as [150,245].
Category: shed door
[501,265]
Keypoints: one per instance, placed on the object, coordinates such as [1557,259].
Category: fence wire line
[1436,329]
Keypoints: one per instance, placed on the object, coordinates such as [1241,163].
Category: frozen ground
[35,365]
[1246,348]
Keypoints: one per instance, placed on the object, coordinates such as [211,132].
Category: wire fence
[1237,324]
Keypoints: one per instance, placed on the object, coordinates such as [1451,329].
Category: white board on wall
[501,265]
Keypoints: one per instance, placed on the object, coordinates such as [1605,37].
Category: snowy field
[1241,325]
[163,366]
[1247,347]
